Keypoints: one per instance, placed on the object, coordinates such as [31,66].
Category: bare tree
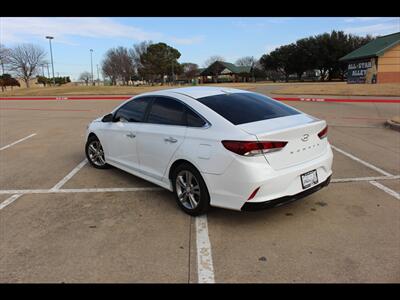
[125,64]
[85,76]
[4,56]
[118,64]
[190,70]
[25,60]
[212,60]
[110,70]
[246,61]
[137,52]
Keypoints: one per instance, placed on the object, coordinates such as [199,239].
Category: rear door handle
[131,135]
[170,140]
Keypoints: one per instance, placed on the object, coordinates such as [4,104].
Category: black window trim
[205,126]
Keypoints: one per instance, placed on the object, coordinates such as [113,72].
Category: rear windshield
[241,108]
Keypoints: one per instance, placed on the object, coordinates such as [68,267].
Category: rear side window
[133,111]
[193,119]
[241,108]
[167,111]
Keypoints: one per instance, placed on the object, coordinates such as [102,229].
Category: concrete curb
[112,97]
[393,124]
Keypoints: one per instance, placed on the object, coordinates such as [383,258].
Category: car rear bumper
[251,206]
[233,188]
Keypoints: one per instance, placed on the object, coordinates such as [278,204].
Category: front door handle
[170,140]
[131,135]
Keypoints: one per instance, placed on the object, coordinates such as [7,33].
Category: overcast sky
[195,38]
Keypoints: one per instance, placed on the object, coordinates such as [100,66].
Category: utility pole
[51,54]
[48,71]
[252,71]
[172,67]
[98,77]
[173,79]
[91,64]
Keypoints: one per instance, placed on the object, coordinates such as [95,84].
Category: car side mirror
[107,118]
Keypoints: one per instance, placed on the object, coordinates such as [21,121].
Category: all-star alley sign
[357,71]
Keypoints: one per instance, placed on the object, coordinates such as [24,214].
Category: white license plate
[309,179]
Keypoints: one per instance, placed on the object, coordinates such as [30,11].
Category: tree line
[151,62]
[158,62]
[320,52]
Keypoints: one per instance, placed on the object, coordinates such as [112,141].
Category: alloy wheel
[96,153]
[187,189]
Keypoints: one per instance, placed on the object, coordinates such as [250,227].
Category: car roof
[197,92]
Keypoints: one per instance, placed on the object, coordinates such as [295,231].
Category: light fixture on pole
[51,54]
[91,64]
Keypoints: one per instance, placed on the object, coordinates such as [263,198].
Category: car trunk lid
[299,131]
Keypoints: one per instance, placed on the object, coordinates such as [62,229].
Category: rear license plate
[309,179]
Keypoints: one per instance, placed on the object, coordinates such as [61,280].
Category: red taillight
[324,133]
[253,148]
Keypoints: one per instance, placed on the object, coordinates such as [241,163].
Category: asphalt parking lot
[64,221]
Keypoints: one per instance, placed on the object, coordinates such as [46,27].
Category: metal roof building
[376,62]
[221,71]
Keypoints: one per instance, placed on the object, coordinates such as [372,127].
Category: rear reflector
[249,148]
[253,193]
[324,133]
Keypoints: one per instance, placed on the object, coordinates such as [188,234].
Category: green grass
[340,89]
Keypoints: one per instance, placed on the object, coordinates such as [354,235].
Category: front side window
[133,111]
[241,108]
[167,111]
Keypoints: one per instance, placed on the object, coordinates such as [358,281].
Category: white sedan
[215,146]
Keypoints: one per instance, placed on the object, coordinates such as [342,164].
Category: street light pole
[173,79]
[98,77]
[91,64]
[172,68]
[51,54]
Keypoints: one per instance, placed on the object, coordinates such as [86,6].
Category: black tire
[93,140]
[203,199]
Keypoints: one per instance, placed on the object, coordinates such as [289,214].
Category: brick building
[376,62]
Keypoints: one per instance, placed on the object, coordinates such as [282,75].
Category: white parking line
[385,189]
[153,189]
[379,170]
[16,142]
[9,200]
[205,269]
[355,179]
[92,190]
[69,176]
